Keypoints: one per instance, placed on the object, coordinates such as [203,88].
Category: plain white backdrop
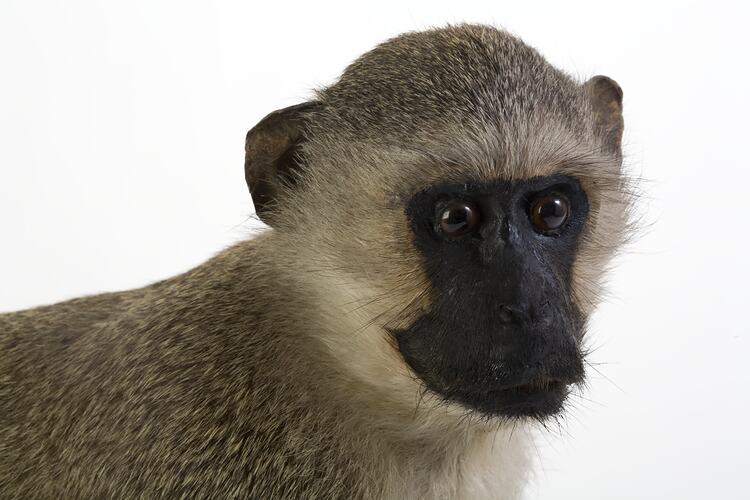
[122,131]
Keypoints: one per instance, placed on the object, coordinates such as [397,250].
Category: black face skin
[502,335]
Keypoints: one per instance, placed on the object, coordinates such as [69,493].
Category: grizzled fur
[268,371]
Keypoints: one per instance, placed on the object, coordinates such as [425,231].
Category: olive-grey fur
[267,371]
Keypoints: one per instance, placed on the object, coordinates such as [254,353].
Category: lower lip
[528,400]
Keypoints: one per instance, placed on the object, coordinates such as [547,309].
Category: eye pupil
[459,218]
[549,212]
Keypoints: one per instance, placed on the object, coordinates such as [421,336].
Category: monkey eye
[458,218]
[548,212]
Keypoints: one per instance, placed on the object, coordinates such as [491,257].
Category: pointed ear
[272,155]
[605,96]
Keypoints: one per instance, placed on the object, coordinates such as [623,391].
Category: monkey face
[502,334]
[455,200]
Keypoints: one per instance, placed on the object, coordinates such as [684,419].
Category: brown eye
[459,218]
[549,212]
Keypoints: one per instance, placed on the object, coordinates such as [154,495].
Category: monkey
[440,220]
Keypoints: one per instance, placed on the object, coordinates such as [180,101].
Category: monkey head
[455,200]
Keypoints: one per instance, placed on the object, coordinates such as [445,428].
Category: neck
[468,463]
[415,445]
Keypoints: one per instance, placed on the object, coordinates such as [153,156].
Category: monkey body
[172,403]
[440,221]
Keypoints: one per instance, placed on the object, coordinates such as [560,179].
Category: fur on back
[198,387]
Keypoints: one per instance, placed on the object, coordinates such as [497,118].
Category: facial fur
[494,324]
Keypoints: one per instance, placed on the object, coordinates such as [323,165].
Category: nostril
[508,314]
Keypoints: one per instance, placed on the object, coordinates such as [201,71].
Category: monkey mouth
[538,397]
[512,372]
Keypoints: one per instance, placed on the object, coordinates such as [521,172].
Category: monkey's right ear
[605,96]
[272,155]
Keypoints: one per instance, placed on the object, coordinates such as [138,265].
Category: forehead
[457,104]
[448,75]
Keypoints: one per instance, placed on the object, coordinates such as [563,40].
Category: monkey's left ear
[605,96]
[272,156]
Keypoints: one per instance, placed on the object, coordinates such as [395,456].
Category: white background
[122,131]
